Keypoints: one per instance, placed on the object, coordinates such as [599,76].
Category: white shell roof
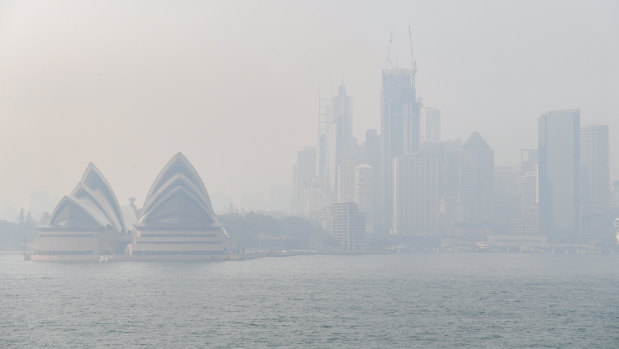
[178,198]
[92,204]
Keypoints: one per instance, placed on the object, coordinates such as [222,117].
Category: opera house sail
[177,218]
[88,222]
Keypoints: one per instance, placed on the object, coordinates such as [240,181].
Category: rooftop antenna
[388,59]
[413,62]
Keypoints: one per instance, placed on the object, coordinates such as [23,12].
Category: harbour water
[413,300]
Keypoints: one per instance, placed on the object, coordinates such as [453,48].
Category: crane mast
[413,62]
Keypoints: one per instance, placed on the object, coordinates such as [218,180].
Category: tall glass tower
[399,127]
[559,174]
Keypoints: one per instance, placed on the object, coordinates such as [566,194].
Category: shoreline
[280,254]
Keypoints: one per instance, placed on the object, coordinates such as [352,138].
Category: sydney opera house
[177,221]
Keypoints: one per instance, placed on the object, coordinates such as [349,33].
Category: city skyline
[310,173]
[129,133]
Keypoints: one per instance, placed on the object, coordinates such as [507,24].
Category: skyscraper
[324,115]
[594,165]
[476,180]
[559,174]
[303,177]
[596,214]
[506,198]
[399,127]
[527,223]
[346,180]
[371,149]
[430,124]
[415,195]
[340,143]
[365,193]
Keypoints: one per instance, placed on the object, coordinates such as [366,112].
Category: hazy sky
[234,85]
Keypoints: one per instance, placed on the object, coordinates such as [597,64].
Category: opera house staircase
[177,221]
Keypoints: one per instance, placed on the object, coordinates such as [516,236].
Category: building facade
[559,174]
[304,176]
[365,194]
[476,181]
[346,224]
[415,195]
[594,165]
[399,127]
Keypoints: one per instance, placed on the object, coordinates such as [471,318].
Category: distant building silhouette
[594,165]
[340,142]
[506,198]
[528,221]
[559,174]
[597,214]
[346,180]
[430,124]
[365,187]
[476,181]
[304,174]
[399,128]
[416,195]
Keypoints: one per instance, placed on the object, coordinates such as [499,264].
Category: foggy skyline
[235,86]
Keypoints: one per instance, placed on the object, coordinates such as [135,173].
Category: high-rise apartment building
[346,224]
[559,174]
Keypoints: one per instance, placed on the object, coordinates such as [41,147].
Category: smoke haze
[235,86]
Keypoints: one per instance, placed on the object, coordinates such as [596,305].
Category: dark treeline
[250,230]
[260,231]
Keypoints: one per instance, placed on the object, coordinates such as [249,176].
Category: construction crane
[413,62]
[388,59]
